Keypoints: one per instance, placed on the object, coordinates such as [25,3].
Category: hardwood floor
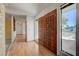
[22,48]
[20,38]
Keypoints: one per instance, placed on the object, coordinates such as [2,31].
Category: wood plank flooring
[20,38]
[22,48]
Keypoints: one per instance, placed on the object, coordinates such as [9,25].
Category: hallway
[42,30]
[22,48]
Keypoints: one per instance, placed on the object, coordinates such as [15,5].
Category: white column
[30,28]
[2,30]
[13,32]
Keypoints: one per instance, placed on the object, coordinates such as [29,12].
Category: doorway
[20,26]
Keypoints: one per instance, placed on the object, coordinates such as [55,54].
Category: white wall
[19,27]
[2,30]
[36,31]
[30,28]
[47,10]
[20,24]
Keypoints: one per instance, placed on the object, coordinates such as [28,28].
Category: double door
[48,31]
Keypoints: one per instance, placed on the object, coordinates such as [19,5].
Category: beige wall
[8,27]
[8,31]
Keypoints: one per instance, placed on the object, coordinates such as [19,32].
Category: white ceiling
[31,9]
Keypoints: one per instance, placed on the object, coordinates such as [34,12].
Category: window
[68,27]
